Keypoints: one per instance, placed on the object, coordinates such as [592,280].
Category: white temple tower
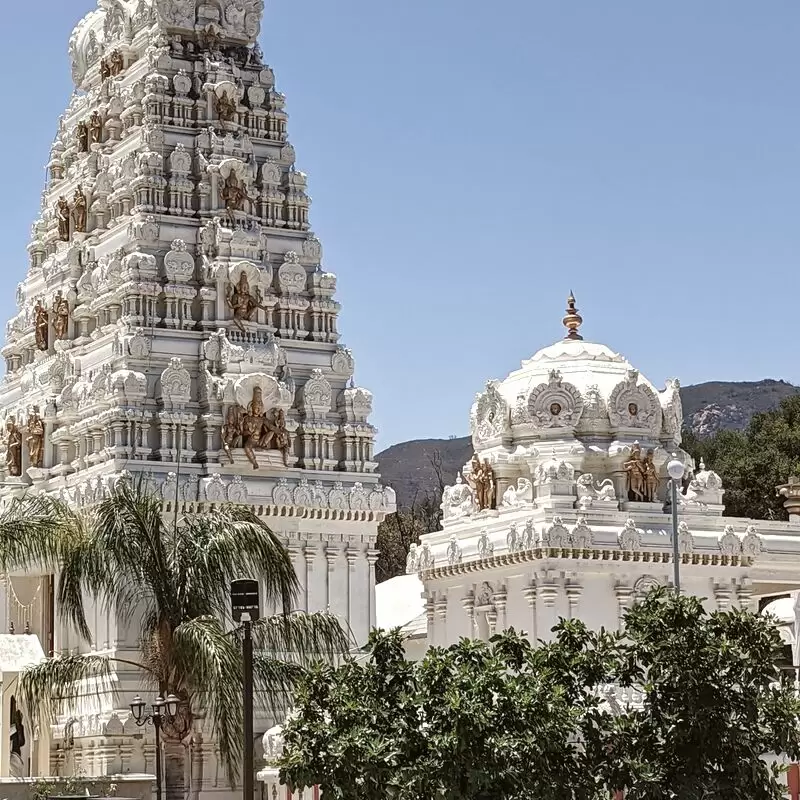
[175,322]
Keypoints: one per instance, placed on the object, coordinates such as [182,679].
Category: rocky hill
[413,468]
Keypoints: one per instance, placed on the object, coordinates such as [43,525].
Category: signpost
[245,607]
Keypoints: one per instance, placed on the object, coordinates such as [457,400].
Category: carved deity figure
[35,438]
[79,210]
[253,426]
[105,69]
[482,481]
[95,128]
[634,469]
[226,108]
[13,448]
[83,137]
[276,436]
[233,195]
[60,316]
[242,302]
[63,217]
[232,430]
[650,478]
[116,62]
[41,321]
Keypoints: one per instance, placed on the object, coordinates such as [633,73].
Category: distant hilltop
[707,408]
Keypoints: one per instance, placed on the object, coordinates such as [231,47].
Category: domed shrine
[564,510]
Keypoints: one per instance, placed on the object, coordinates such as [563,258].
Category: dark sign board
[245,599]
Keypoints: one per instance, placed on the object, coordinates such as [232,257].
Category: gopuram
[564,511]
[176,325]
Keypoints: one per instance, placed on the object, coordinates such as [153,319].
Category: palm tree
[172,578]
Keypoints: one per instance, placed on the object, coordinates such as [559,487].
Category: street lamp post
[162,710]
[675,470]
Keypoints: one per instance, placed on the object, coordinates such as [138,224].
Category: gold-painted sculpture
[116,63]
[95,128]
[242,301]
[255,429]
[35,438]
[482,480]
[60,313]
[642,476]
[226,108]
[13,448]
[79,210]
[63,217]
[41,327]
[83,137]
[233,195]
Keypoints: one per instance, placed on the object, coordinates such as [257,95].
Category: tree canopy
[482,720]
[753,462]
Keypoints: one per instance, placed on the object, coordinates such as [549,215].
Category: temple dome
[575,389]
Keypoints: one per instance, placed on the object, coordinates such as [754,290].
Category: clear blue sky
[470,162]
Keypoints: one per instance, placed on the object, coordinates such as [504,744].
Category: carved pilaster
[723,594]
[468,604]
[500,601]
[574,592]
[529,593]
[626,596]
[372,558]
[745,592]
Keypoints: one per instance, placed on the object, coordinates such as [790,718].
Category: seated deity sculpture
[458,500]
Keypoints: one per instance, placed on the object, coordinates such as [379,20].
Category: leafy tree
[753,462]
[171,579]
[505,719]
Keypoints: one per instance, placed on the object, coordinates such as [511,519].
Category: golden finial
[573,320]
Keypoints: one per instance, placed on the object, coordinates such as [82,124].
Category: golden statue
[95,128]
[60,316]
[232,430]
[41,328]
[650,479]
[79,210]
[116,63]
[634,468]
[242,302]
[63,217]
[276,436]
[233,195]
[482,480]
[105,69]
[226,108]
[13,448]
[35,438]
[253,429]
[83,137]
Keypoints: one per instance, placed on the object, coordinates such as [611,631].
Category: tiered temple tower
[176,322]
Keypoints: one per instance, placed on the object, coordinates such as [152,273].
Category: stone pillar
[791,491]
[547,594]
[351,555]
[468,604]
[500,600]
[625,597]
[574,592]
[372,558]
[723,594]
[441,614]
[530,595]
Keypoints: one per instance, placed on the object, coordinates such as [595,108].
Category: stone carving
[411,560]
[514,540]
[641,476]
[425,559]
[60,316]
[485,546]
[215,489]
[556,536]
[282,494]
[595,412]
[458,500]
[489,416]
[35,438]
[178,263]
[644,585]
[317,394]
[555,404]
[630,539]
[254,429]
[292,276]
[685,539]
[233,196]
[634,405]
[176,383]
[342,362]
[63,217]
[672,409]
[237,491]
[242,301]
[454,554]
[180,13]
[704,489]
[82,133]
[79,211]
[581,536]
[517,495]
[729,542]
[95,128]
[588,492]
[13,443]
[41,323]
[752,543]
[554,471]
[139,345]
[482,480]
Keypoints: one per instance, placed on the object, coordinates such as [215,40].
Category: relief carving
[254,429]
[642,476]
[482,480]
[13,442]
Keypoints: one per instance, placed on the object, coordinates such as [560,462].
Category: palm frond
[33,530]
[46,686]
[301,637]
[210,661]
[274,682]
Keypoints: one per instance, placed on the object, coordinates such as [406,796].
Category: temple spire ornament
[573,320]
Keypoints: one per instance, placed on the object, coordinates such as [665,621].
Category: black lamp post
[162,710]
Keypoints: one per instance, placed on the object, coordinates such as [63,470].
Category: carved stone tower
[176,322]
